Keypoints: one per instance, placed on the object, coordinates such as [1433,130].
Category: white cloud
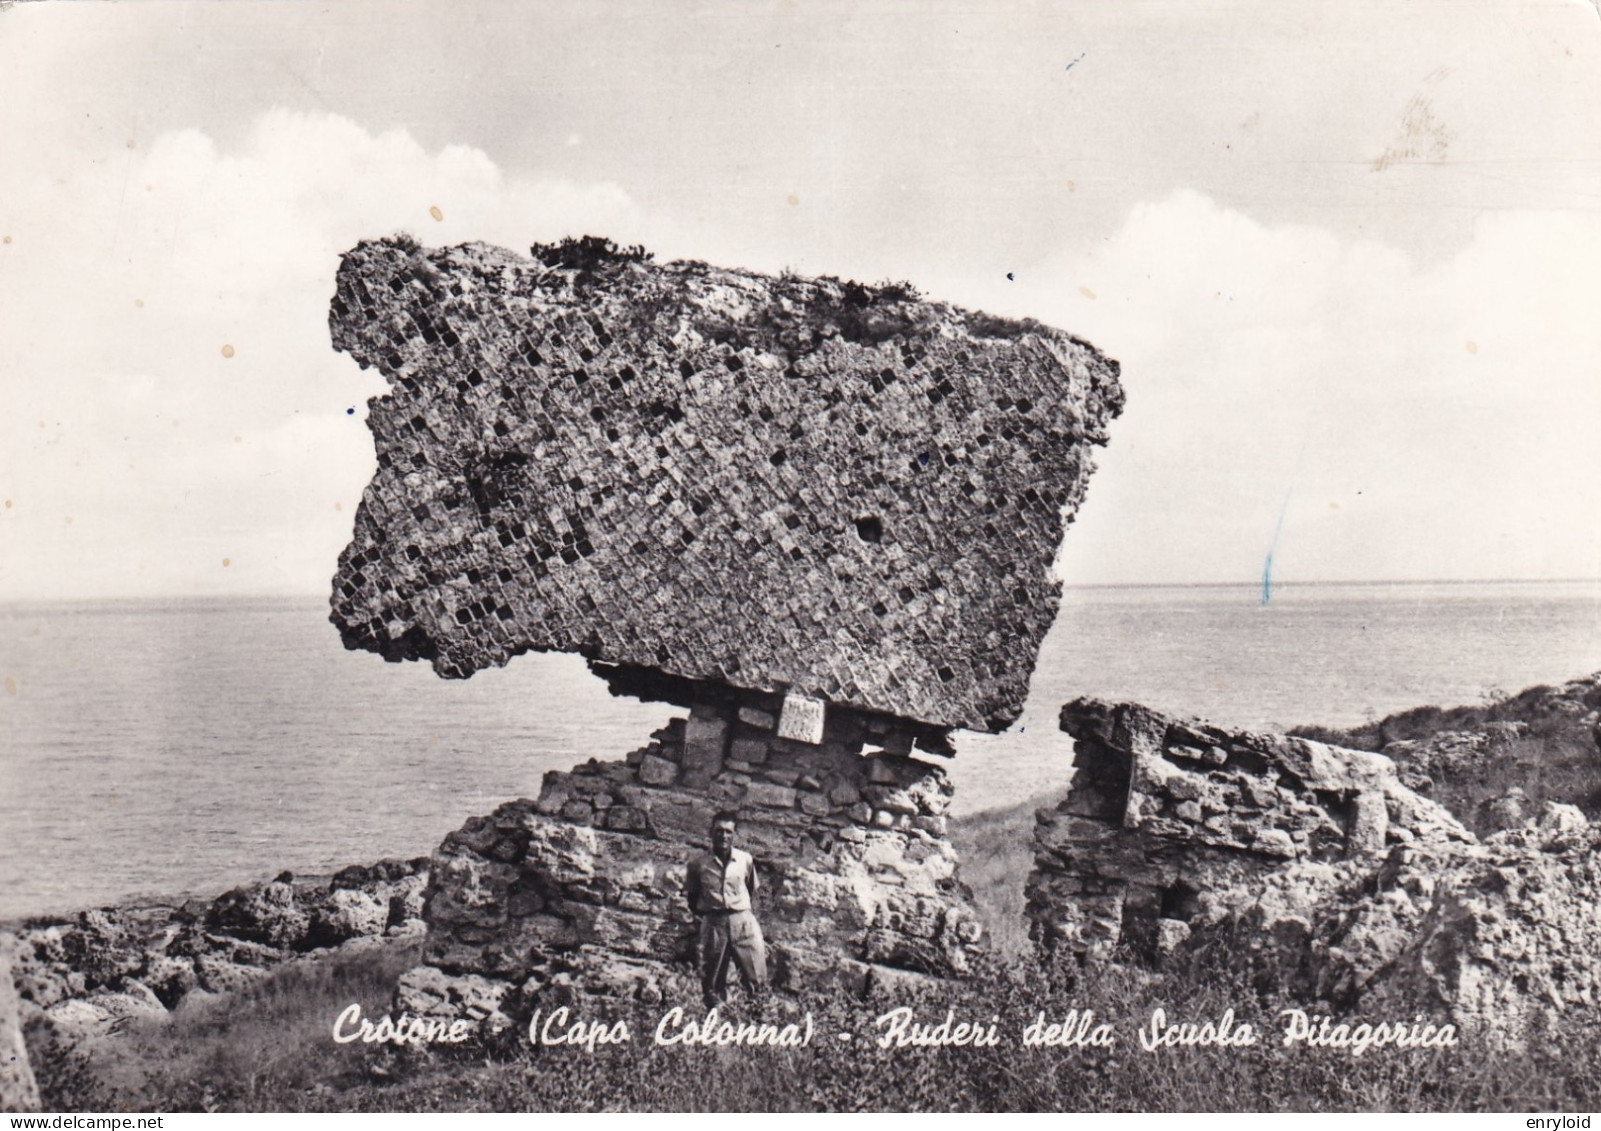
[1424,421]
[1433,421]
[127,273]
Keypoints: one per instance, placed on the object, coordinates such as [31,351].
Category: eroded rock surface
[89,975]
[1513,929]
[1166,818]
[768,483]
[18,1089]
[1317,861]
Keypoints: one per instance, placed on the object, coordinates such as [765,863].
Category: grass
[271,1049]
[997,851]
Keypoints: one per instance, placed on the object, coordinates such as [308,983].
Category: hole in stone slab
[870,528]
[1181,902]
[778,458]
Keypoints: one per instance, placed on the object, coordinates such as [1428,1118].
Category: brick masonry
[766,483]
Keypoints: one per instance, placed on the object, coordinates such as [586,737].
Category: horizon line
[300,595]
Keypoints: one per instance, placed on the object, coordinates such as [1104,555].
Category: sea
[182,747]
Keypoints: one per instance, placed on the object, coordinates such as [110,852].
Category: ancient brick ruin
[819,516]
[715,475]
[584,887]
[1169,824]
[1314,862]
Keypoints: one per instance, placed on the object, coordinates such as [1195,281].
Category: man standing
[720,887]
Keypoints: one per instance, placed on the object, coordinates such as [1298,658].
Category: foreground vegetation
[272,1049]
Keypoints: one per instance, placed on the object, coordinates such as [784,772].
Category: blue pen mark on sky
[350,412]
[1075,62]
[1267,566]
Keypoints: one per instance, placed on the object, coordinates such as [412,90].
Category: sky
[1348,254]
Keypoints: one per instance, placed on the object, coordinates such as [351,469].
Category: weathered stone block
[655,771]
[763,720]
[748,749]
[844,793]
[770,794]
[705,747]
[1370,821]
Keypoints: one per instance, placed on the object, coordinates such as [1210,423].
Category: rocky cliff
[85,976]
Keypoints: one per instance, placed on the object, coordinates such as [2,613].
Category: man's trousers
[730,937]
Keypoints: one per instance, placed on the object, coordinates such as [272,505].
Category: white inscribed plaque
[801,719]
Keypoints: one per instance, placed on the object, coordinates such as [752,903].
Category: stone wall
[1169,824]
[769,483]
[583,887]
[1316,865]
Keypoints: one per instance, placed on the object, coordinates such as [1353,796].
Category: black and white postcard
[800,556]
